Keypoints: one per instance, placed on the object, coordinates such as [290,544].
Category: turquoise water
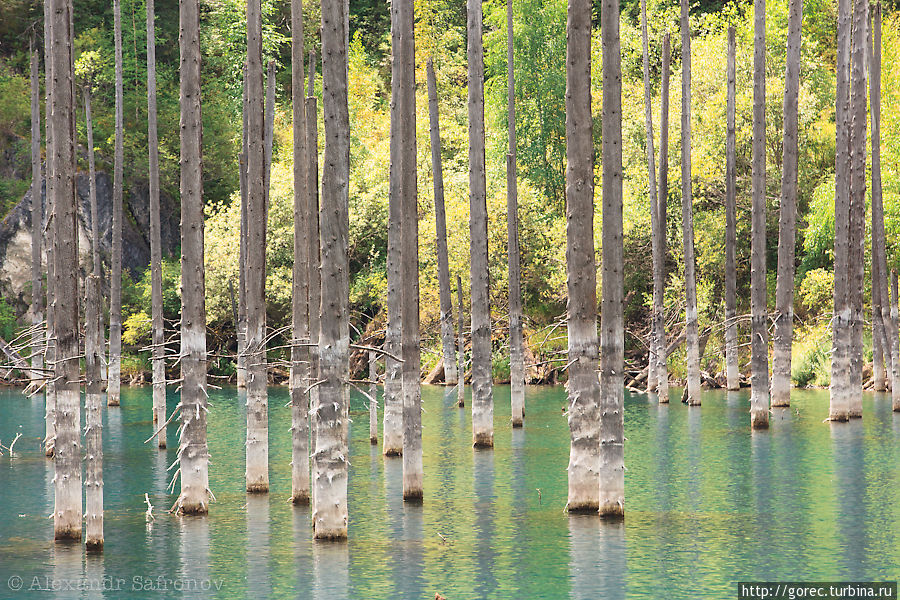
[708,504]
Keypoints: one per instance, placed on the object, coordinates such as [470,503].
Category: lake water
[708,503]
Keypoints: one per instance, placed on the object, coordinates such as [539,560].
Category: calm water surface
[708,504]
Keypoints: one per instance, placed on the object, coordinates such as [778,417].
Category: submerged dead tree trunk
[373,398]
[92,181]
[93,403]
[732,371]
[37,224]
[655,231]
[241,325]
[858,119]
[257,450]
[759,321]
[300,305]
[448,345]
[692,331]
[581,270]
[516,341]
[193,453]
[48,237]
[891,345]
[612,316]
[404,99]
[312,239]
[156,301]
[461,347]
[482,388]
[115,270]
[839,408]
[330,464]
[67,512]
[659,276]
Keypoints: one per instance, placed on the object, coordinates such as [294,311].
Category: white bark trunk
[516,339]
[759,321]
[330,459]
[581,282]
[156,300]
[300,305]
[659,276]
[732,371]
[482,386]
[67,513]
[115,271]
[448,344]
[242,266]
[193,452]
[93,403]
[373,399]
[48,237]
[37,221]
[687,218]
[461,348]
[312,238]
[612,316]
[652,371]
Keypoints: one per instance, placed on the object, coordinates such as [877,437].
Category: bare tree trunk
[732,371]
[393,384]
[193,453]
[330,465]
[858,119]
[612,316]
[93,402]
[461,347]
[67,507]
[269,135]
[839,409]
[659,276]
[92,187]
[759,346]
[49,225]
[115,271]
[257,397]
[581,282]
[895,341]
[312,238]
[655,231]
[373,399]
[516,341]
[300,306]
[242,266]
[482,386]
[879,373]
[156,302]
[448,345]
[37,221]
[891,344]
[687,217]
[403,88]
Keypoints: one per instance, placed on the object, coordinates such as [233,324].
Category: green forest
[539,42]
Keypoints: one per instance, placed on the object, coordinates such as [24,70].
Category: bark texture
[461,347]
[300,305]
[257,475]
[373,399]
[37,222]
[115,269]
[312,239]
[156,300]
[839,406]
[482,387]
[67,458]
[404,99]
[92,186]
[759,318]
[581,271]
[652,370]
[330,464]
[732,371]
[448,344]
[242,267]
[659,275]
[692,331]
[93,404]
[612,316]
[193,452]
[516,341]
[858,121]
[49,224]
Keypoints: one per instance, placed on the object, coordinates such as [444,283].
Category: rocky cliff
[15,234]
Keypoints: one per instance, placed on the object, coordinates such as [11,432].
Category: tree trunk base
[483,440]
[258,488]
[759,421]
[518,422]
[587,508]
[300,498]
[94,545]
[373,439]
